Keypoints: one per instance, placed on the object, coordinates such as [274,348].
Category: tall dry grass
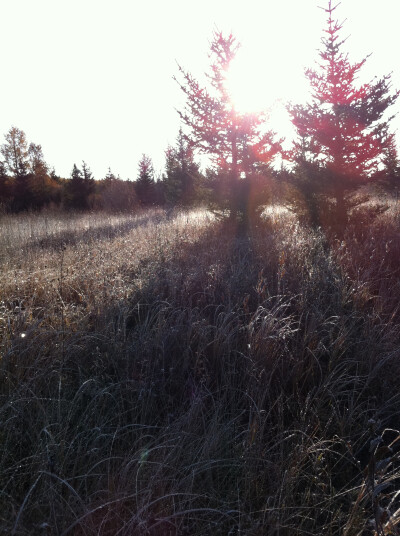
[171,376]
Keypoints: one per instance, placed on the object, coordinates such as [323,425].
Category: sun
[249,84]
[253,89]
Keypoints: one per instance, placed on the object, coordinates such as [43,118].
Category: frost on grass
[168,375]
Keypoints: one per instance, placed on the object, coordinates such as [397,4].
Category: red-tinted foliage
[343,124]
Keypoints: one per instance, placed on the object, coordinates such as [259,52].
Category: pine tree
[145,184]
[79,187]
[41,185]
[73,189]
[341,132]
[391,171]
[110,177]
[88,185]
[181,173]
[237,143]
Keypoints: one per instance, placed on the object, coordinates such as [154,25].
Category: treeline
[28,183]
[343,142]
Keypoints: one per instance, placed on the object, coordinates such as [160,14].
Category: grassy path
[171,377]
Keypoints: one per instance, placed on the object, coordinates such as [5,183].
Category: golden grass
[167,375]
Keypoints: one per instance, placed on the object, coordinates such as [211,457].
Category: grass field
[166,375]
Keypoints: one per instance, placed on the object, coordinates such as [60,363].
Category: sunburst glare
[252,89]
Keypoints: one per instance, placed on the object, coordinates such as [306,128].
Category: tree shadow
[196,382]
[95,234]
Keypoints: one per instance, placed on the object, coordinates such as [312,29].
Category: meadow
[164,374]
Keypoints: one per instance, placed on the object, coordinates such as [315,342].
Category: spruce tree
[145,185]
[74,189]
[181,173]
[41,186]
[391,170]
[88,185]
[342,133]
[237,143]
[79,187]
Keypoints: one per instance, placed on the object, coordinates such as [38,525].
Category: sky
[93,80]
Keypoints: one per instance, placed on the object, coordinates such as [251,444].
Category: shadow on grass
[230,394]
[94,234]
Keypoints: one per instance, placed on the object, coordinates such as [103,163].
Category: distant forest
[28,183]
[343,142]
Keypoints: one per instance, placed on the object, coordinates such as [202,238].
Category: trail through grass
[171,376]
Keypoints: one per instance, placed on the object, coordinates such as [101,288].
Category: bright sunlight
[253,89]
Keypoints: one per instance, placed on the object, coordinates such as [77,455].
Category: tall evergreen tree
[79,188]
[88,185]
[391,170]
[342,133]
[145,184]
[110,177]
[73,189]
[41,185]
[237,143]
[181,173]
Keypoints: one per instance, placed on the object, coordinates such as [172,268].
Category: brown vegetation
[167,375]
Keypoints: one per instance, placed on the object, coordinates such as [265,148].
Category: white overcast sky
[92,79]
